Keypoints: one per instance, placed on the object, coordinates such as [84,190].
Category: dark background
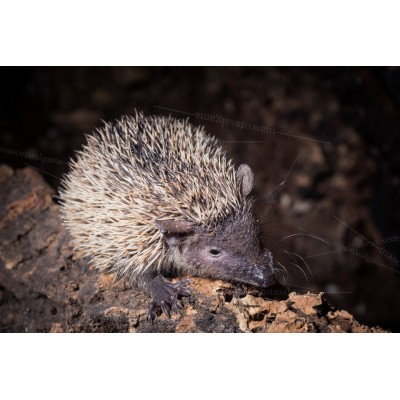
[342,125]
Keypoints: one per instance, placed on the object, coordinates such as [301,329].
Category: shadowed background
[323,143]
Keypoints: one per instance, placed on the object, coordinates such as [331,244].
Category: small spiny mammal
[148,194]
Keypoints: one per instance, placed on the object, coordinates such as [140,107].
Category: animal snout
[263,277]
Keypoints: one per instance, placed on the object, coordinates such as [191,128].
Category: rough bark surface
[44,287]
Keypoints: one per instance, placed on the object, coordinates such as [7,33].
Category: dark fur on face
[232,251]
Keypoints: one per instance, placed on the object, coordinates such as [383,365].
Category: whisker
[322,254]
[303,234]
[283,268]
[316,236]
[301,287]
[280,271]
[290,170]
[287,273]
[302,259]
[42,171]
[286,177]
[273,190]
[305,275]
[296,265]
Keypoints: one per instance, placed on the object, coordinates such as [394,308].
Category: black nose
[269,281]
[262,277]
[268,276]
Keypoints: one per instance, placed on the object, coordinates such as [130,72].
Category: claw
[185,292]
[165,296]
[178,305]
[165,308]
[182,289]
[182,283]
[151,315]
[179,311]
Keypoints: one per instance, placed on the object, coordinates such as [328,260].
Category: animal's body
[147,195]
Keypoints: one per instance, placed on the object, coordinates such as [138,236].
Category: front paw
[166,296]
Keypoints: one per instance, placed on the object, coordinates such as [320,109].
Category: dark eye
[214,252]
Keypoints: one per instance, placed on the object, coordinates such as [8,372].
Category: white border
[176,32]
[200,366]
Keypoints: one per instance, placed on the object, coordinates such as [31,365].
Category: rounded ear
[245,177]
[175,231]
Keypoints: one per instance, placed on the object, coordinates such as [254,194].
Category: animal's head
[231,251]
